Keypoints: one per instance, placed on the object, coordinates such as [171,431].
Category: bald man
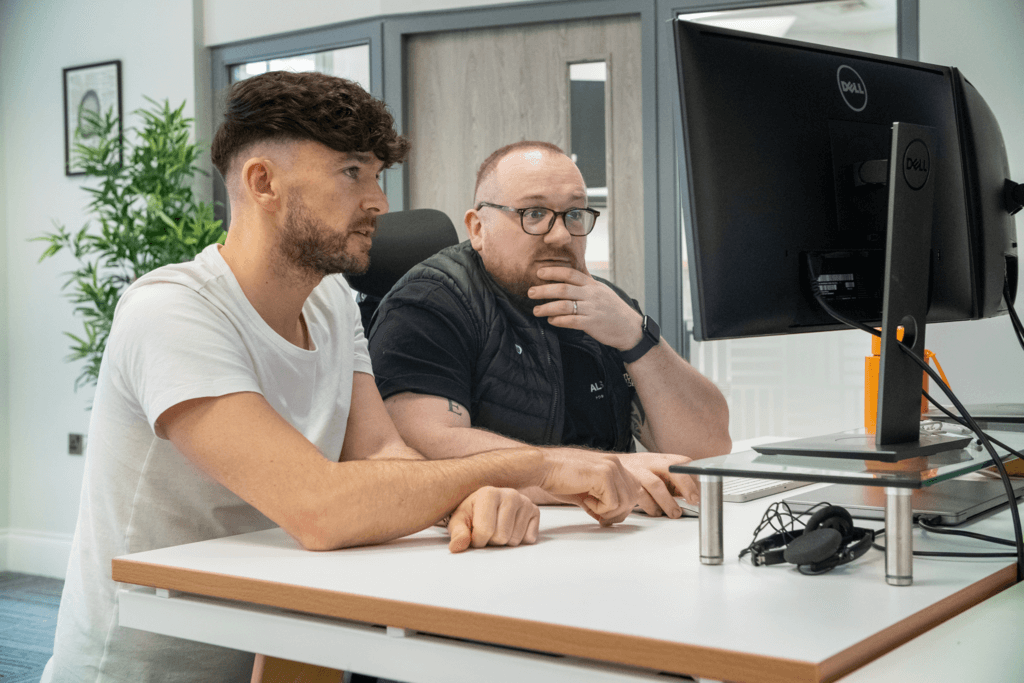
[506,340]
[236,391]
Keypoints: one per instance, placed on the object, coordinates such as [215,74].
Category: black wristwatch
[651,337]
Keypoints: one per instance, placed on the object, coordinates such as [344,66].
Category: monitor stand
[911,181]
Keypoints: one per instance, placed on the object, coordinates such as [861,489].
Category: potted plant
[146,212]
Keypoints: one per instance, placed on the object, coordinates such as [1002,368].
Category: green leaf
[143,215]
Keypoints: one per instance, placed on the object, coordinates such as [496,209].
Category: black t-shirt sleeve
[422,342]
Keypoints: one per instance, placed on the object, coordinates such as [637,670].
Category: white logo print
[519,349]
[852,88]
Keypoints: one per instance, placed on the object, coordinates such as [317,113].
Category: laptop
[1004,416]
[953,501]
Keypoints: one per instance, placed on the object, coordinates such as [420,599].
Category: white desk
[619,604]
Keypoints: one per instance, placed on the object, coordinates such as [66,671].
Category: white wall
[985,40]
[5,394]
[154,41]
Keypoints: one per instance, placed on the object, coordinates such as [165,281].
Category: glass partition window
[805,384]
[351,62]
[587,134]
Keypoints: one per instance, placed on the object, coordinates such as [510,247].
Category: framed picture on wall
[95,88]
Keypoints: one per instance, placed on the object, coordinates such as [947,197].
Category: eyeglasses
[537,220]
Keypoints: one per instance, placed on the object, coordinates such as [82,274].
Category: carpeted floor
[28,618]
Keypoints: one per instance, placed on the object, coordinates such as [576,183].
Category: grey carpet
[28,618]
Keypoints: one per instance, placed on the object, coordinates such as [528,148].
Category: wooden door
[470,92]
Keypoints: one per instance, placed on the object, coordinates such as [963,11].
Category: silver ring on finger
[574,307]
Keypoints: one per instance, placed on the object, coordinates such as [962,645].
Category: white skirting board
[42,553]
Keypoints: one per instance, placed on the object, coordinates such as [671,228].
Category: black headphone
[829,540]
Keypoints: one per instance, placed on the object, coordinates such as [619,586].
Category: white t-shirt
[181,332]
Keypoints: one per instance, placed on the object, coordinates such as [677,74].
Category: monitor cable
[963,423]
[926,524]
[970,423]
[1018,329]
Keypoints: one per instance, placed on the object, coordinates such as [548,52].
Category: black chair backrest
[402,239]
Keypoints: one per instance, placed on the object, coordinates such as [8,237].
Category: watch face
[651,329]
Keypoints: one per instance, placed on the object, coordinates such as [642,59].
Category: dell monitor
[825,178]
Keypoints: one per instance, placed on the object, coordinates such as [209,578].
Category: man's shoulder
[180,296]
[208,265]
[448,274]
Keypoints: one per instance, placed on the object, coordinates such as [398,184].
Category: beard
[311,246]
[516,280]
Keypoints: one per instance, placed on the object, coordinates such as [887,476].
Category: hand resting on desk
[663,491]
[493,516]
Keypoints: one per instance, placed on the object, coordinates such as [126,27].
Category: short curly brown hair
[286,106]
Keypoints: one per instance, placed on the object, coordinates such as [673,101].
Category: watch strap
[650,337]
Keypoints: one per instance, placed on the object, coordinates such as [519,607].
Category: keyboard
[741,489]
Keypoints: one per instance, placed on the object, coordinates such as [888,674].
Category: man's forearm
[685,413]
[368,502]
[460,442]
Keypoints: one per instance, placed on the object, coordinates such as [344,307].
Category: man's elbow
[721,445]
[313,537]
[313,529]
[719,442]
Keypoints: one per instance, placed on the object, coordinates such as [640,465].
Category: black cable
[840,317]
[971,424]
[963,423]
[782,520]
[987,443]
[926,524]
[1014,318]
[938,553]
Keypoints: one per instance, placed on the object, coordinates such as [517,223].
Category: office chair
[402,239]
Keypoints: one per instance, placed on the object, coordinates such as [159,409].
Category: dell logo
[916,164]
[852,88]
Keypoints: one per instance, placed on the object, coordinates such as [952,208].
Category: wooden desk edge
[889,639]
[637,651]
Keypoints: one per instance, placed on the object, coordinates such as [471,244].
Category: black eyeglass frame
[551,224]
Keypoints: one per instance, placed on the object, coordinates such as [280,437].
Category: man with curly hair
[237,394]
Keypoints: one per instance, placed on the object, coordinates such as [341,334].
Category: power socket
[76,444]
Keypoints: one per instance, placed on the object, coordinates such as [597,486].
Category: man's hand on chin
[576,300]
